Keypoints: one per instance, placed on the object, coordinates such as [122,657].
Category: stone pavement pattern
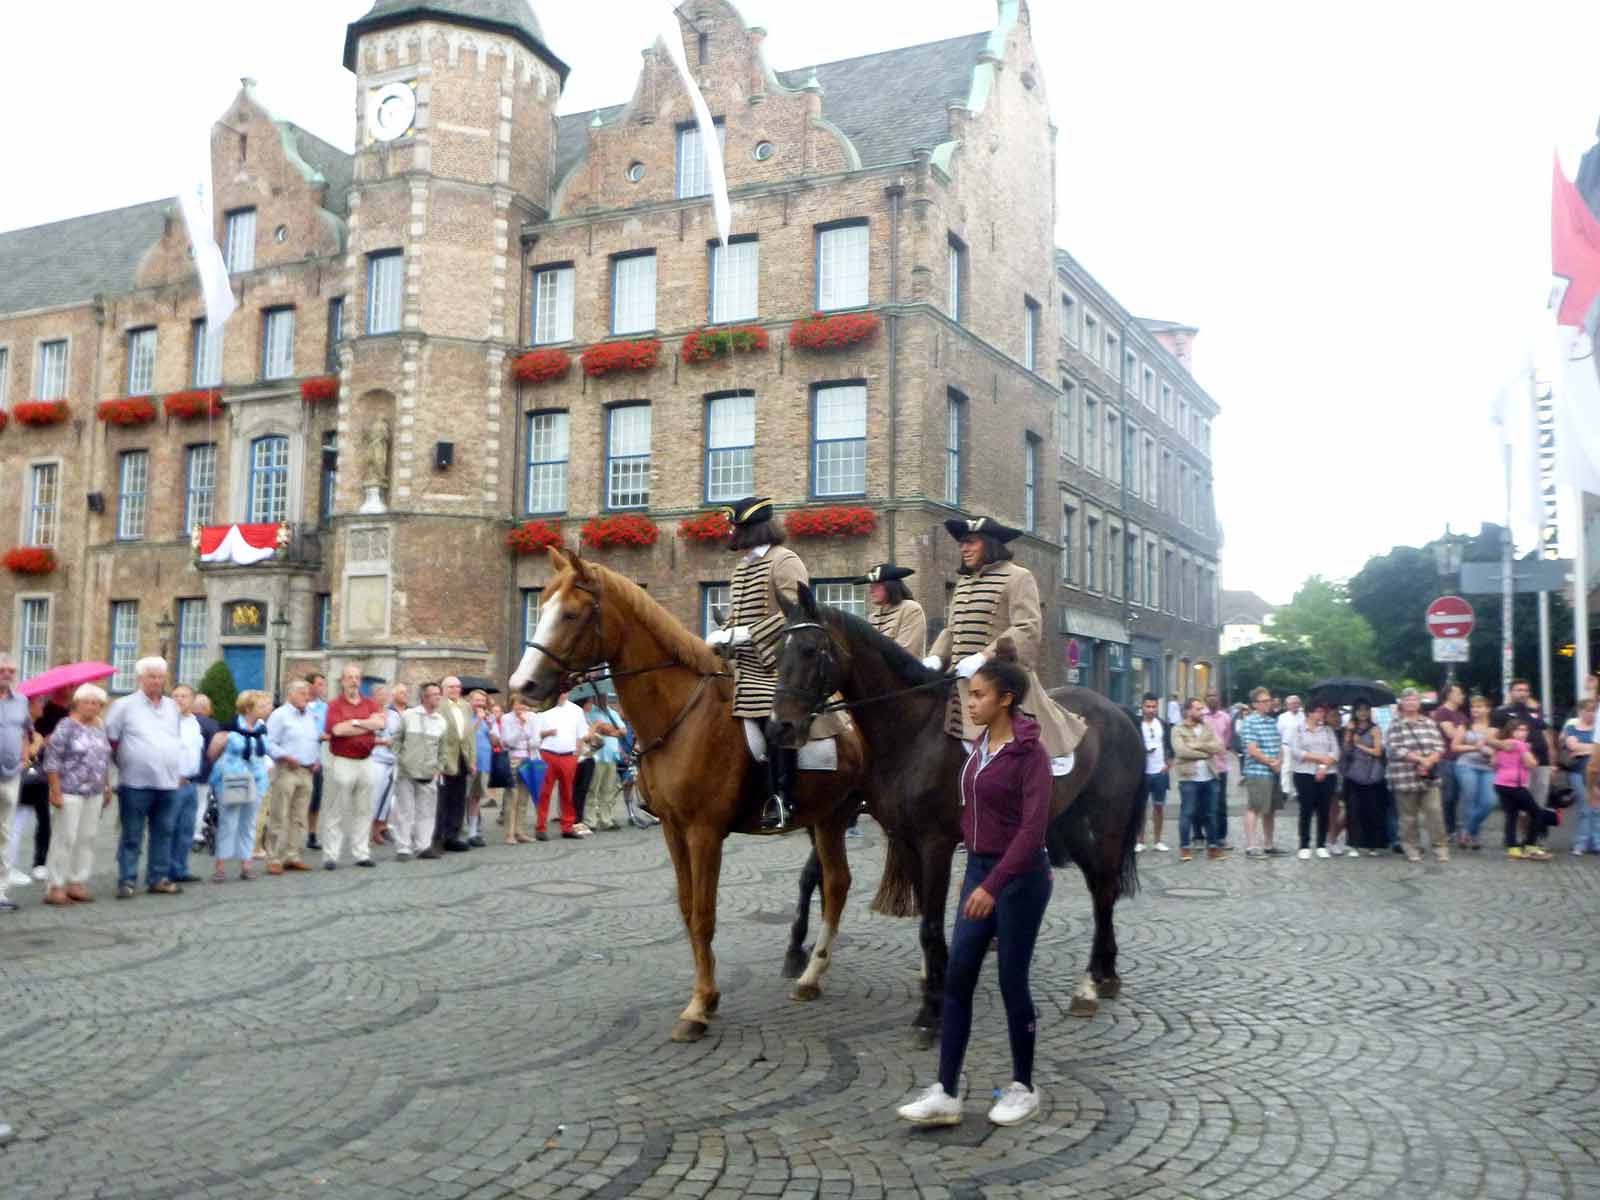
[495,1025]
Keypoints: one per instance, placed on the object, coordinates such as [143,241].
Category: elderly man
[1291,721]
[419,764]
[1413,747]
[16,731]
[354,721]
[382,761]
[191,775]
[294,743]
[145,730]
[460,750]
[318,703]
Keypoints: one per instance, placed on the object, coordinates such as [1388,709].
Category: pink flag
[1574,255]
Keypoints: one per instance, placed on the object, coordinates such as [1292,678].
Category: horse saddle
[819,754]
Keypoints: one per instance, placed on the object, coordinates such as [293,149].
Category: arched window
[269,479]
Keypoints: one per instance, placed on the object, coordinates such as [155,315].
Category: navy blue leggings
[1017,915]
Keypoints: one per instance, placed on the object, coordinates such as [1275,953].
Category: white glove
[741,635]
[718,637]
[933,662]
[737,636]
[968,666]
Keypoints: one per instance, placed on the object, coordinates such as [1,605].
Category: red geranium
[704,345]
[135,410]
[541,366]
[628,529]
[185,406]
[323,387]
[4,417]
[822,332]
[831,522]
[620,356]
[531,537]
[42,412]
[31,560]
[707,527]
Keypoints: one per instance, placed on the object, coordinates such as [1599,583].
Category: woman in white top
[519,734]
[1316,753]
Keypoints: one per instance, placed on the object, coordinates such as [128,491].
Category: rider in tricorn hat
[997,598]
[894,613]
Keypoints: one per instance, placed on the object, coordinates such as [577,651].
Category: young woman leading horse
[679,699]
[1096,810]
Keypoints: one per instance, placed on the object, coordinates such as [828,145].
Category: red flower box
[620,356]
[134,410]
[42,412]
[541,366]
[323,387]
[31,560]
[706,345]
[831,522]
[707,527]
[629,529]
[534,537]
[4,417]
[186,406]
[822,332]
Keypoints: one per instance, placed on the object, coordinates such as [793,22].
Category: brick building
[471,225]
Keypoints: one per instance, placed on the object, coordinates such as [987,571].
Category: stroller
[208,824]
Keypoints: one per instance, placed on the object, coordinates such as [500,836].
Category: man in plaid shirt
[1414,748]
[1263,759]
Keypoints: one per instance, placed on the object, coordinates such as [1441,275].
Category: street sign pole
[1507,586]
[1544,656]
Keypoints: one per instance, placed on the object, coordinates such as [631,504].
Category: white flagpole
[1580,598]
[710,143]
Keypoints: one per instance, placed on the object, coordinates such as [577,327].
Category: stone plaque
[366,606]
[244,618]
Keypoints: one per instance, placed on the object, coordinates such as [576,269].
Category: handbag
[1362,768]
[500,769]
[236,790]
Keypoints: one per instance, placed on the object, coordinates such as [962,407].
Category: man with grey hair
[16,731]
[353,723]
[144,728]
[294,743]
[1412,748]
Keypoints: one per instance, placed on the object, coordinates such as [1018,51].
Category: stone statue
[375,455]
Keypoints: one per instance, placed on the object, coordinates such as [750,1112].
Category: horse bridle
[830,679]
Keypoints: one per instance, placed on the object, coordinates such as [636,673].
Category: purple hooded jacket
[1005,806]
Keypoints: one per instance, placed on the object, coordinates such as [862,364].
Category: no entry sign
[1450,617]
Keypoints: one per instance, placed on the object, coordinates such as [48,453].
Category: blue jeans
[1199,807]
[1475,798]
[236,831]
[138,807]
[1018,913]
[185,800]
[1391,817]
[1219,809]
[1588,837]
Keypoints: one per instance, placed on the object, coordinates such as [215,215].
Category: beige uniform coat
[904,623]
[1002,600]
[755,588]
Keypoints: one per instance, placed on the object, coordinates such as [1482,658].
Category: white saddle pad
[819,755]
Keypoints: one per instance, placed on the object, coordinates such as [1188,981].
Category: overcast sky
[1350,200]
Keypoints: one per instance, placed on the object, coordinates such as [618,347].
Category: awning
[1081,623]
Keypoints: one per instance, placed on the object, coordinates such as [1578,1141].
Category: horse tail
[1128,870]
[902,877]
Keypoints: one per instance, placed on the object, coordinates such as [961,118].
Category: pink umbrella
[70,675]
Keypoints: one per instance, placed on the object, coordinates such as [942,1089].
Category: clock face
[390,111]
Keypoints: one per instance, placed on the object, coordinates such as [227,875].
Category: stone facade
[941,155]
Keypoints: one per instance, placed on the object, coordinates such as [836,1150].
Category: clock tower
[454,153]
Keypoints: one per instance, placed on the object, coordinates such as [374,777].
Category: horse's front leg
[828,840]
[794,959]
[704,848]
[934,889]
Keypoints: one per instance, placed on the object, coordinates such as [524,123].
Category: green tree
[1276,665]
[1321,619]
[218,683]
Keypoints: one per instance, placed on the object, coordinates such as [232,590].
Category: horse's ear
[808,601]
[558,559]
[579,567]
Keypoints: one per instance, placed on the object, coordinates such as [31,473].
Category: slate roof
[515,17]
[67,262]
[887,104]
[337,167]
[1243,608]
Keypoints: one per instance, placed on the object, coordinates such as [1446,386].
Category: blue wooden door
[248,664]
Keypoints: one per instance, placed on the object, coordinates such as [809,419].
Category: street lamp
[280,633]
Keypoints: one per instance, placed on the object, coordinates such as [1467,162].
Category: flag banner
[1574,256]
[240,545]
[1513,416]
[194,201]
[711,144]
[1577,426]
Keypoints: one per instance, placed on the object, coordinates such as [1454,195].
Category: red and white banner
[242,545]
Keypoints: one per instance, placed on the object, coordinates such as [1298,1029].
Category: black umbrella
[477,683]
[1344,692]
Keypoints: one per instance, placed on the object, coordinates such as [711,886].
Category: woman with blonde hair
[239,781]
[77,761]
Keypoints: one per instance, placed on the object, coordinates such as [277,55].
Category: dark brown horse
[694,762]
[1095,814]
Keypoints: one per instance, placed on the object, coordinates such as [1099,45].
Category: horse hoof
[924,1037]
[1082,1006]
[689,1031]
[794,963]
[713,1002]
[1109,989]
[806,992]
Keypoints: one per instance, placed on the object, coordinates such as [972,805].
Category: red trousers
[562,769]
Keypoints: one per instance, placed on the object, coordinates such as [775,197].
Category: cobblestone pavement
[495,1024]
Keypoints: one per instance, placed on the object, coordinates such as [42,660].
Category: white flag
[194,200]
[1514,417]
[710,143]
[1577,411]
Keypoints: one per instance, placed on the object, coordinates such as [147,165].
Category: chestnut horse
[1096,810]
[693,759]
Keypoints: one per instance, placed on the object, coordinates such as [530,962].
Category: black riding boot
[781,766]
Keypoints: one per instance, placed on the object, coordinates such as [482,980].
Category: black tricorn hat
[885,573]
[751,511]
[961,527]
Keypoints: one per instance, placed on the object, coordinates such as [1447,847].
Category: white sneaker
[1305,854]
[40,874]
[16,878]
[1016,1104]
[1322,852]
[933,1107]
[1138,848]
[1162,847]
[1353,852]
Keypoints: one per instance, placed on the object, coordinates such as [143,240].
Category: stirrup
[775,804]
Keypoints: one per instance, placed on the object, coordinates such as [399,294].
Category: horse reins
[829,684]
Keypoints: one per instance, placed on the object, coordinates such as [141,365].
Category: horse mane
[906,666]
[644,609]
